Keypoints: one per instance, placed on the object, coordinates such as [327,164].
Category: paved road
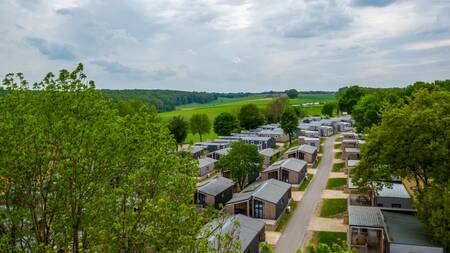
[295,232]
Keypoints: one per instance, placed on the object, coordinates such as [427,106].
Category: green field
[233,105]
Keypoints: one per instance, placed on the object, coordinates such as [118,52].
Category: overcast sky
[229,45]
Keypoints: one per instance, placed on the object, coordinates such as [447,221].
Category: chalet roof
[270,190]
[352,163]
[397,190]
[255,138]
[269,152]
[307,149]
[292,164]
[247,230]
[216,186]
[351,150]
[202,162]
[223,151]
[272,131]
[365,216]
[403,227]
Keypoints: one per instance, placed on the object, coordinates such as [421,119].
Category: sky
[229,45]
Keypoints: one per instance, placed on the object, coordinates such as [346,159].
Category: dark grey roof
[351,150]
[270,190]
[403,227]
[307,149]
[247,229]
[216,186]
[269,152]
[365,216]
[397,190]
[202,162]
[292,164]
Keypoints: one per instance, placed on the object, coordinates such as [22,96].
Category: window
[285,176]
[258,209]
[396,205]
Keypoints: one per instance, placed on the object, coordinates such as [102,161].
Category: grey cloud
[373,3]
[54,51]
[115,67]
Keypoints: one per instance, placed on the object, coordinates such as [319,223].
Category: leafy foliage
[292,93]
[225,123]
[324,248]
[77,176]
[348,97]
[200,124]
[275,109]
[289,122]
[178,127]
[328,109]
[242,160]
[250,116]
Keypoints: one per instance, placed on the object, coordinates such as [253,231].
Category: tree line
[407,136]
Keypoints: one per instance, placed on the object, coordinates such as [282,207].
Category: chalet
[269,155]
[262,142]
[195,151]
[310,133]
[206,166]
[351,163]
[219,153]
[277,133]
[343,126]
[215,192]
[249,232]
[350,136]
[315,142]
[291,170]
[302,152]
[212,146]
[387,230]
[326,131]
[352,143]
[265,200]
[351,154]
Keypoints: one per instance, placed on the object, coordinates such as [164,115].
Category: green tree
[367,112]
[411,142]
[328,109]
[349,97]
[200,124]
[275,109]
[77,176]
[264,247]
[300,111]
[178,127]
[225,123]
[250,116]
[289,122]
[292,93]
[242,160]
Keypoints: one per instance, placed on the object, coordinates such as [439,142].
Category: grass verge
[328,237]
[336,183]
[333,208]
[317,162]
[338,145]
[287,216]
[338,155]
[339,139]
[305,182]
[338,167]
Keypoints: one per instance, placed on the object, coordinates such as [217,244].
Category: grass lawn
[338,155]
[338,145]
[333,208]
[305,182]
[339,139]
[338,167]
[287,216]
[317,162]
[336,183]
[329,237]
[233,105]
[322,139]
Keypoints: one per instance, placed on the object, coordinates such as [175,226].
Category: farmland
[232,105]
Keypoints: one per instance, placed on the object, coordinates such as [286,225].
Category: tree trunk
[200,136]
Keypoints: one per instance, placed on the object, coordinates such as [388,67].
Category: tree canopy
[275,109]
[178,127]
[289,122]
[292,93]
[348,97]
[200,124]
[328,109]
[226,123]
[250,116]
[77,176]
[413,142]
[242,160]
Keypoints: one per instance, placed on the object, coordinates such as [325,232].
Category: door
[285,176]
